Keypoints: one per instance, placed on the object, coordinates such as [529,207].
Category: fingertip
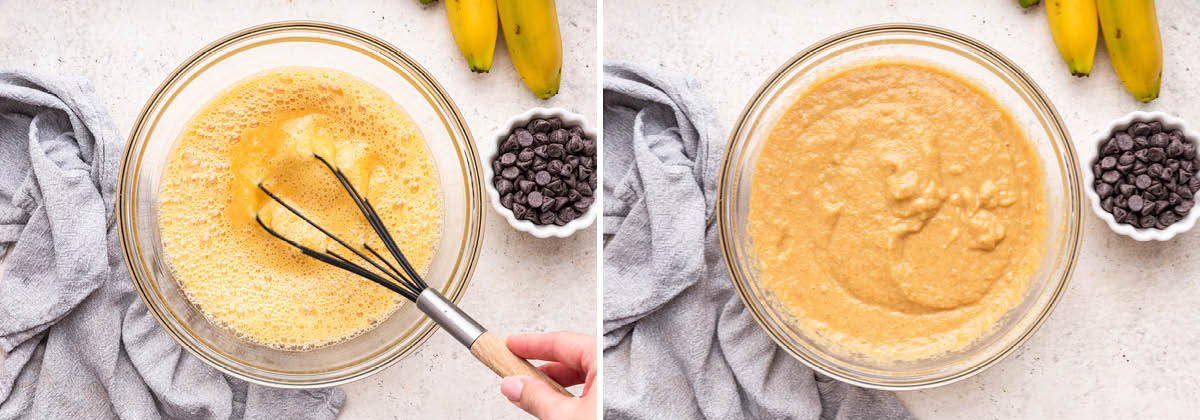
[511,387]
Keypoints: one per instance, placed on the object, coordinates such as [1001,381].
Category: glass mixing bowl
[216,67]
[974,61]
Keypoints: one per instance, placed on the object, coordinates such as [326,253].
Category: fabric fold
[678,343]
[80,342]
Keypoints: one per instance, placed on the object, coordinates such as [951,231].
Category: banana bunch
[1130,30]
[530,31]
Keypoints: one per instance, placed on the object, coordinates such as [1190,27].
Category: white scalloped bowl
[1090,153]
[489,148]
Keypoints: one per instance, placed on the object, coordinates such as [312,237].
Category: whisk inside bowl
[485,346]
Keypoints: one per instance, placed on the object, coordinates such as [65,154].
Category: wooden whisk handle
[487,347]
[493,352]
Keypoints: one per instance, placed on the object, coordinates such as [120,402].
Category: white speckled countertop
[1123,341]
[521,283]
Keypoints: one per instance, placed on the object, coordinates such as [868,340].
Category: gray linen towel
[80,343]
[678,342]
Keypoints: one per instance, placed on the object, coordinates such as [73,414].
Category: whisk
[485,346]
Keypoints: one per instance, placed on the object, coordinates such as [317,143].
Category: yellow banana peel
[1075,27]
[1134,46]
[474,24]
[534,43]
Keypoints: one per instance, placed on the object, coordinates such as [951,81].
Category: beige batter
[897,211]
[265,129]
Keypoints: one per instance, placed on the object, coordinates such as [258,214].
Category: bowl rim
[1074,212]
[473,179]
[1092,152]
[490,149]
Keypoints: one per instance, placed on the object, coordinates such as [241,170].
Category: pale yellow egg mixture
[898,211]
[265,129]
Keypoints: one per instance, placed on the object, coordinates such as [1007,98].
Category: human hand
[572,361]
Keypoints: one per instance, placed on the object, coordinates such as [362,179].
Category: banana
[1074,25]
[474,24]
[1029,3]
[534,43]
[1134,46]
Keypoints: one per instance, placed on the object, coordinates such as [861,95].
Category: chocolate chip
[554,150]
[504,186]
[525,155]
[1139,168]
[1125,143]
[1155,126]
[534,198]
[555,124]
[1135,203]
[1160,140]
[548,205]
[1110,148]
[525,185]
[1140,142]
[1143,181]
[1108,162]
[542,178]
[557,187]
[510,144]
[1157,190]
[539,126]
[1148,221]
[1175,149]
[506,200]
[583,203]
[576,131]
[575,145]
[584,189]
[566,171]
[559,202]
[1125,189]
[1155,154]
[1167,173]
[510,172]
[554,166]
[1107,204]
[524,138]
[559,136]
[1139,129]
[1167,219]
[541,138]
[1111,176]
[519,210]
[1184,207]
[1161,205]
[520,197]
[508,159]
[1120,214]
[1141,155]
[567,214]
[548,218]
[540,151]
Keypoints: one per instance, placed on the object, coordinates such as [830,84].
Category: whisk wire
[338,261]
[409,284]
[376,223]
